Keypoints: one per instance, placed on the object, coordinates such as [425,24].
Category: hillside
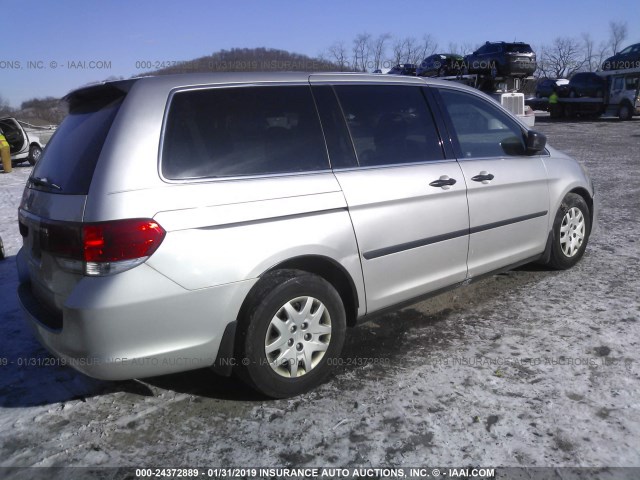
[244,60]
[44,111]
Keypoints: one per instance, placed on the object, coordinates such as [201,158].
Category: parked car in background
[626,58]
[404,69]
[441,65]
[584,84]
[241,221]
[25,144]
[547,85]
[502,59]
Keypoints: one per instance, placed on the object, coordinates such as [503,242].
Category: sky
[51,47]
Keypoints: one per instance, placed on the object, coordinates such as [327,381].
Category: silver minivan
[243,221]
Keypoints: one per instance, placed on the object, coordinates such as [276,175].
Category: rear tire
[291,333]
[571,230]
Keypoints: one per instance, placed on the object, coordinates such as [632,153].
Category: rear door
[506,189]
[406,200]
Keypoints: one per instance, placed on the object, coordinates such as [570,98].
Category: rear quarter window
[240,131]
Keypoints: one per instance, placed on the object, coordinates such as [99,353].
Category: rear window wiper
[44,182]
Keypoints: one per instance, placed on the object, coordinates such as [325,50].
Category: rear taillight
[101,248]
[113,247]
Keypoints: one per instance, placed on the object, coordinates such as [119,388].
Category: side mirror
[535,142]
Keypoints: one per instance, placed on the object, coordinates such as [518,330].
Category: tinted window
[242,131]
[71,155]
[482,129]
[518,48]
[336,135]
[389,124]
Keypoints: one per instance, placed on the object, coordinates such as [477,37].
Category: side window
[224,132]
[389,124]
[617,83]
[631,83]
[482,129]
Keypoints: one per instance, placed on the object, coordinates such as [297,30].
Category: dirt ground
[526,368]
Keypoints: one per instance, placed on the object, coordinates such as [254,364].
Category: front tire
[291,333]
[34,154]
[571,230]
[625,113]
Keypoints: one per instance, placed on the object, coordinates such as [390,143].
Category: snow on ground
[527,368]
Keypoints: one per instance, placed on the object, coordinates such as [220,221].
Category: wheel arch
[332,272]
[324,267]
[583,192]
[586,196]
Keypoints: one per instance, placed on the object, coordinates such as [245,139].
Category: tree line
[560,58]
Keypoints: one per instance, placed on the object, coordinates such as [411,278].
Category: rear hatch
[522,57]
[54,198]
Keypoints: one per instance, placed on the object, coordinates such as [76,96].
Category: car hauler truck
[505,90]
[621,98]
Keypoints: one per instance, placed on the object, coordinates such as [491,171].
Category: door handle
[483,177]
[444,181]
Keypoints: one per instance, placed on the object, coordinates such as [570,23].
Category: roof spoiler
[103,91]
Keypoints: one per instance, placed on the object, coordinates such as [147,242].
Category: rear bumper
[136,324]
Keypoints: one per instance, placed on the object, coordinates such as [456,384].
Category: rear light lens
[113,247]
[121,240]
[102,248]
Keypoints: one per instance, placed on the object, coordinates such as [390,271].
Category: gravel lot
[527,368]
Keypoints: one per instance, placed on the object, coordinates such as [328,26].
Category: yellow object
[5,152]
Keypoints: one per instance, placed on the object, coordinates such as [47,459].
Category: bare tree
[429,47]
[562,58]
[593,55]
[464,49]
[413,50]
[590,60]
[361,51]
[617,34]
[410,50]
[378,49]
[339,55]
[5,108]
[399,51]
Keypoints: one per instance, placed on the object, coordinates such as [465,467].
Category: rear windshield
[517,48]
[70,157]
